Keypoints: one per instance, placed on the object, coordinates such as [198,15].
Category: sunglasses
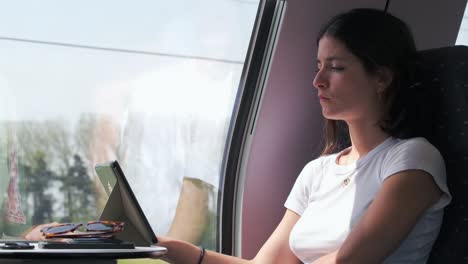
[101,229]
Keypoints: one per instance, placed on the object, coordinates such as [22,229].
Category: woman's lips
[323,98]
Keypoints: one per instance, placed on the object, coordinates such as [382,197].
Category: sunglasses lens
[59,229]
[101,226]
[93,229]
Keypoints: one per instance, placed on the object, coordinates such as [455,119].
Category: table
[72,256]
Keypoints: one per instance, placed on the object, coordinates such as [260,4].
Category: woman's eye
[330,68]
[335,68]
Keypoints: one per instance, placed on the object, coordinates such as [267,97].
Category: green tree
[38,180]
[78,191]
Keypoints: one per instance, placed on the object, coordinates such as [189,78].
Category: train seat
[444,90]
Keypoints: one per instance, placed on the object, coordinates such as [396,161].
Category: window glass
[462,38]
[149,83]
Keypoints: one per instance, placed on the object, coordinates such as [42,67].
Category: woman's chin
[328,115]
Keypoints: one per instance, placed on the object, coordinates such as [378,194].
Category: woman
[382,198]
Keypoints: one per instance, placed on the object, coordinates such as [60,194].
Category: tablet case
[122,205]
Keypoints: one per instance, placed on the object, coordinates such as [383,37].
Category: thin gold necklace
[346,180]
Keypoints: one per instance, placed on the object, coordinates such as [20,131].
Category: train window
[151,84]
[462,38]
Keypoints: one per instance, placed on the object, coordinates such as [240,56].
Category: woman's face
[346,91]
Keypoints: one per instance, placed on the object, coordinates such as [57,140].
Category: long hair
[378,39]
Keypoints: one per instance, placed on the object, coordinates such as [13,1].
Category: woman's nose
[319,80]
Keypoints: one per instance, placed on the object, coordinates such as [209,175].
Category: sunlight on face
[346,91]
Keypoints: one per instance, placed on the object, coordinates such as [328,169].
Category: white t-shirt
[329,208]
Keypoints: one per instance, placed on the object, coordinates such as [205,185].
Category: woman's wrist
[179,251]
[202,255]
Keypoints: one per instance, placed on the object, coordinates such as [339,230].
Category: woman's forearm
[180,252]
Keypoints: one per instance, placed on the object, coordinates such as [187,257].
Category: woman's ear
[384,79]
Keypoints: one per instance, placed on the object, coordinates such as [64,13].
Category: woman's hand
[178,251]
[34,233]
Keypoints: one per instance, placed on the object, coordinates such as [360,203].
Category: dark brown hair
[379,40]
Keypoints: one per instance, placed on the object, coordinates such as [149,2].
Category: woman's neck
[364,136]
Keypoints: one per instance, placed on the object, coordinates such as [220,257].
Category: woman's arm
[275,250]
[396,209]
[192,212]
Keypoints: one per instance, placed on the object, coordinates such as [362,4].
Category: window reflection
[462,38]
[73,94]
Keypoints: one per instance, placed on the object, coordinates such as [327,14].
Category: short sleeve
[298,198]
[418,154]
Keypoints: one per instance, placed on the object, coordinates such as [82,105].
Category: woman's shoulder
[415,144]
[322,160]
[413,140]
[319,163]
[416,152]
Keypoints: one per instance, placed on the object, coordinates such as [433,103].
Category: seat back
[445,91]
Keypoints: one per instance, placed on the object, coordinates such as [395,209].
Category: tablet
[122,205]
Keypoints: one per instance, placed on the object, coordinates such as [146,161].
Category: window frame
[257,62]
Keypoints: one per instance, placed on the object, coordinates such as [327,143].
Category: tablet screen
[122,205]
